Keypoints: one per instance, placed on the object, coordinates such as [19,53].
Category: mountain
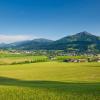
[35,44]
[2,44]
[80,42]
[82,36]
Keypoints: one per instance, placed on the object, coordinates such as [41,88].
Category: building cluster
[82,60]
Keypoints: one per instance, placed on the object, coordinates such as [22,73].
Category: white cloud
[14,38]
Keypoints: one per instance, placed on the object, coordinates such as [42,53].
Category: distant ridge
[79,42]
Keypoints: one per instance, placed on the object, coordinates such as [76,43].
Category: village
[57,55]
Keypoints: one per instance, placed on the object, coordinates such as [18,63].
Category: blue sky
[52,19]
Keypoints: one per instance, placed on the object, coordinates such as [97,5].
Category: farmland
[50,81]
[10,59]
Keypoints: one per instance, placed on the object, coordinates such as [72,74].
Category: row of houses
[82,60]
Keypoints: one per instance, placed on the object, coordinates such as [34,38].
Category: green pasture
[20,59]
[50,81]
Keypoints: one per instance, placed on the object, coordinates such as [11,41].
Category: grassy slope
[50,81]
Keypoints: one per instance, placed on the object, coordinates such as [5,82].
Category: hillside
[80,42]
[35,44]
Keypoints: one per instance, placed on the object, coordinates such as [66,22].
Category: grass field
[22,59]
[50,81]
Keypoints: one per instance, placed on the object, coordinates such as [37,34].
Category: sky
[51,19]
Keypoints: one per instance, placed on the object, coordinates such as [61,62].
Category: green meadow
[50,81]
[11,59]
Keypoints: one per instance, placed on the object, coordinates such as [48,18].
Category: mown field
[11,59]
[50,81]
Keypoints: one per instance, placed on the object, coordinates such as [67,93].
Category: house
[74,60]
[82,60]
[70,60]
[98,60]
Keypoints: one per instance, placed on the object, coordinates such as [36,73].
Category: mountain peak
[84,33]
